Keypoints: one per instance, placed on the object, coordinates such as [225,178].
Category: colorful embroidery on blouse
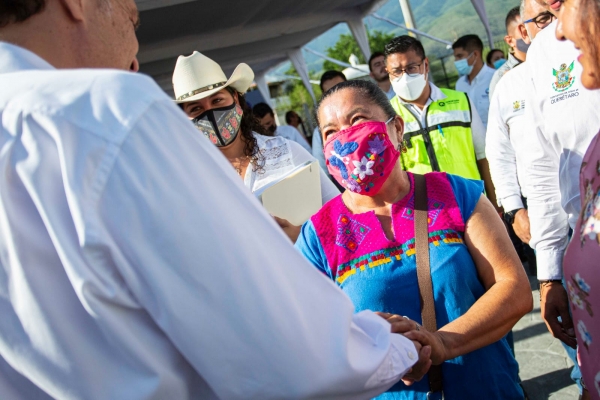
[579,291]
[387,256]
[350,233]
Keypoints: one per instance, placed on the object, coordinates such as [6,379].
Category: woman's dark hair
[488,59]
[12,11]
[248,125]
[364,89]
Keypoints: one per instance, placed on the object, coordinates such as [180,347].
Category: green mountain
[445,19]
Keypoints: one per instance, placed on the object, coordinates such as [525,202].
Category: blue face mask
[499,63]
[463,67]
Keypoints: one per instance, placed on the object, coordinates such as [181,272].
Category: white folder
[296,196]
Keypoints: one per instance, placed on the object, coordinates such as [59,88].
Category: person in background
[134,263]
[509,140]
[266,117]
[217,113]
[443,131]
[364,239]
[518,47]
[293,119]
[475,76]
[578,22]
[328,80]
[380,74]
[495,58]
[565,119]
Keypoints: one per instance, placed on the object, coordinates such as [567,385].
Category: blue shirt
[486,373]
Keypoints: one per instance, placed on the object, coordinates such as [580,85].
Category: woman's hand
[434,340]
[292,231]
[417,333]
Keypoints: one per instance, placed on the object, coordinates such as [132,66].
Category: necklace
[242,162]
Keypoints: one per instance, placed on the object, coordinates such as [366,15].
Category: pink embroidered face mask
[361,157]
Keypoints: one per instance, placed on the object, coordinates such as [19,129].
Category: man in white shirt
[565,118]
[134,263]
[475,75]
[509,139]
[380,75]
[518,48]
[266,117]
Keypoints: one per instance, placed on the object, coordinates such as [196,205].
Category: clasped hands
[430,345]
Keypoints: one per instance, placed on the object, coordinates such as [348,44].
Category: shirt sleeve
[310,247]
[477,132]
[501,156]
[467,193]
[548,220]
[300,156]
[214,272]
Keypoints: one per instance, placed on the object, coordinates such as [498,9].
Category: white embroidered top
[281,156]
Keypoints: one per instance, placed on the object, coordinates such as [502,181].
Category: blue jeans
[572,353]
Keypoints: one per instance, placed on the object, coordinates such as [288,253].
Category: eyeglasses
[542,19]
[412,70]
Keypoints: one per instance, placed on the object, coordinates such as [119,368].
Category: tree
[346,45]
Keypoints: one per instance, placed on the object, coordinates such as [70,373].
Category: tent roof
[257,32]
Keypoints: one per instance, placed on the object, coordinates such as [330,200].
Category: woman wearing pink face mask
[364,240]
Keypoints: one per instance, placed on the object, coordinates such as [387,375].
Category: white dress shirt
[134,264]
[281,156]
[504,68]
[478,90]
[477,128]
[293,134]
[508,138]
[565,119]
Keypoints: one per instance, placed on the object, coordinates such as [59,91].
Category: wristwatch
[509,217]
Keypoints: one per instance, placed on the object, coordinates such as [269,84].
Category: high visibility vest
[446,143]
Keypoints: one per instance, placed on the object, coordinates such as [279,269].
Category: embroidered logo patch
[564,80]
[350,233]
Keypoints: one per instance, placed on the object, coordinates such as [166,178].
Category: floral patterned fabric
[380,275]
[582,270]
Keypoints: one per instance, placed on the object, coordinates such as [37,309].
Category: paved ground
[544,365]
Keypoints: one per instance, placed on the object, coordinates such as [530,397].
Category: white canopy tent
[261,33]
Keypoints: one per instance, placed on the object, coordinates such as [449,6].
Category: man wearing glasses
[565,118]
[443,131]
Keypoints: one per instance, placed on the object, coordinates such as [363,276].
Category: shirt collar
[484,71]
[14,58]
[512,61]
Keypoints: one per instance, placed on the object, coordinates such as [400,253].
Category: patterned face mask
[220,125]
[361,158]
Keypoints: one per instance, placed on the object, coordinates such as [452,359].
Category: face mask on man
[362,157]
[463,67]
[220,125]
[409,87]
[522,46]
[499,62]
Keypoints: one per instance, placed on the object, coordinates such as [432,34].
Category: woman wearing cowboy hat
[216,106]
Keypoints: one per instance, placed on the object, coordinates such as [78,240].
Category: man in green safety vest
[442,129]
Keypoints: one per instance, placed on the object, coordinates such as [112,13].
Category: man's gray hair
[522,10]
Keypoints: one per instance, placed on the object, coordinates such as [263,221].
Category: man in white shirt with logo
[565,118]
[133,262]
[475,75]
[508,138]
[266,117]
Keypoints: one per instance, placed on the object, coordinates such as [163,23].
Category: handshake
[430,345]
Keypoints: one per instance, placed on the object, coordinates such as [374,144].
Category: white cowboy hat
[197,76]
